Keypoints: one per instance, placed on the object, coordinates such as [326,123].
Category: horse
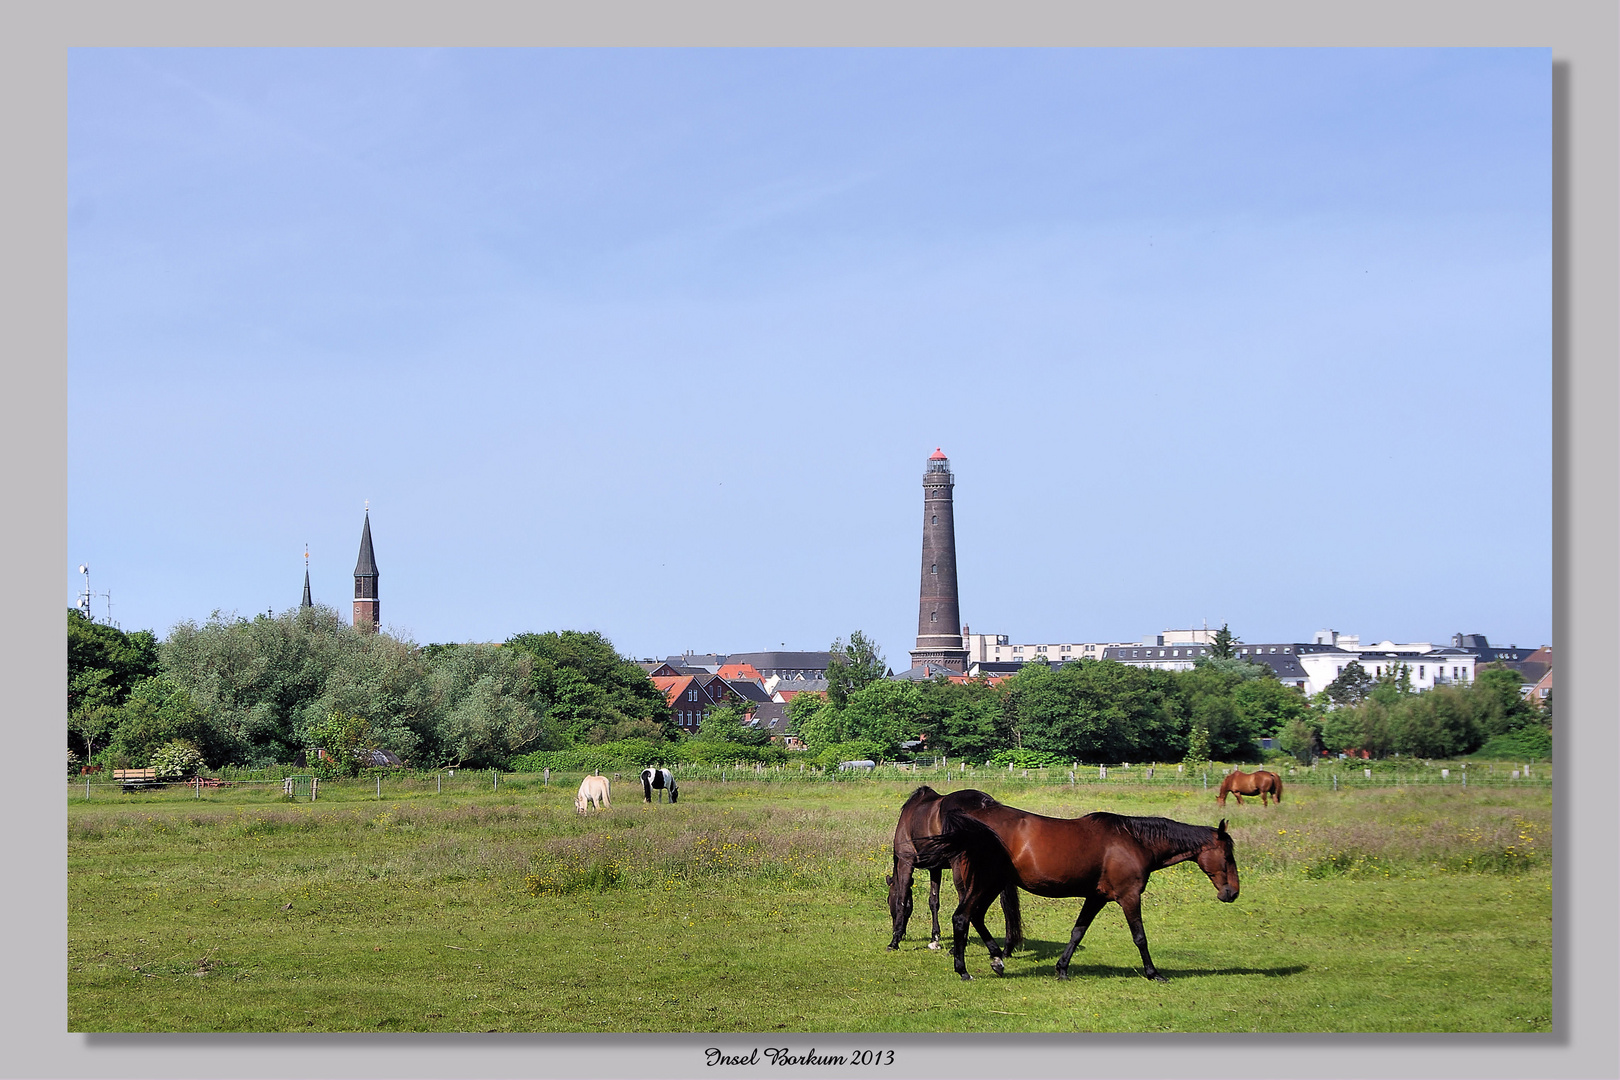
[1261,783]
[1101,857]
[919,817]
[660,779]
[592,789]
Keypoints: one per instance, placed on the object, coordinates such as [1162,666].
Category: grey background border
[1585,42]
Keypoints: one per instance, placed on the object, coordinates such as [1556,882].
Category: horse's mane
[1157,831]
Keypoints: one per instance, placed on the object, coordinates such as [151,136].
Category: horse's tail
[1014,915]
[674,792]
[1277,786]
[961,836]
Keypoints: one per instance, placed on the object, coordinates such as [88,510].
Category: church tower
[367,612]
[939,618]
[306,602]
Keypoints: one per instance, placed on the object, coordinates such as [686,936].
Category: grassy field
[754,906]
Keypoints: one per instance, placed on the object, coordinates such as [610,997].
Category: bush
[1527,743]
[176,760]
[1021,758]
[853,750]
[73,763]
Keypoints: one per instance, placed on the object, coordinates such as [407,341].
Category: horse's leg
[900,899]
[933,904]
[1131,903]
[996,963]
[973,899]
[1088,912]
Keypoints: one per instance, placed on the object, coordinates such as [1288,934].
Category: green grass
[761,907]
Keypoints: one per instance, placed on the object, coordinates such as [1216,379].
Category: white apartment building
[1310,666]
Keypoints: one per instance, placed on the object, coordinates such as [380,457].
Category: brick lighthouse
[367,609]
[939,617]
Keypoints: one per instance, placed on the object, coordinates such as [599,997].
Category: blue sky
[657,342]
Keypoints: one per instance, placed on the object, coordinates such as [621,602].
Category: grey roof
[767,663]
[366,566]
[748,690]
[923,672]
[794,686]
[772,716]
[705,661]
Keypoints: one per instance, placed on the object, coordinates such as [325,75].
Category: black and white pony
[660,779]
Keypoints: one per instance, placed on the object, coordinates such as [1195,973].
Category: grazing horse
[1261,783]
[1099,857]
[919,817]
[659,779]
[592,789]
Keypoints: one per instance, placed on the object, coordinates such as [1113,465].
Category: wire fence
[285,784]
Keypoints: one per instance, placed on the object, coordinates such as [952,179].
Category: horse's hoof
[998,967]
[933,944]
[1062,973]
[1156,977]
[966,977]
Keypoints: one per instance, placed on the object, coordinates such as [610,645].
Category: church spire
[367,609]
[307,602]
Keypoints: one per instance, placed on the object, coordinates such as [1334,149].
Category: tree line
[268,690]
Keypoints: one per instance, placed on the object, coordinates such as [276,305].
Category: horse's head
[1215,858]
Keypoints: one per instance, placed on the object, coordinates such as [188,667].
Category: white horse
[592,789]
[660,779]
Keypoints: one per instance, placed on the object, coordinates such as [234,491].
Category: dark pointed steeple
[307,602]
[367,609]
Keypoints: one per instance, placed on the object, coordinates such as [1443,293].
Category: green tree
[346,740]
[586,688]
[887,712]
[1352,685]
[727,724]
[483,698]
[1300,737]
[157,712]
[852,667]
[1439,723]
[93,646]
[815,720]
[962,719]
[1270,705]
[1501,704]
[1197,746]
[1225,643]
[1093,711]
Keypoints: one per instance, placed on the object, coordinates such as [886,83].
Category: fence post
[1071,778]
[439,783]
[379,787]
[547,782]
[87,789]
[314,785]
[1335,781]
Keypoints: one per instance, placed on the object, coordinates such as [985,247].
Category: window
[691,695]
[933,616]
[933,568]
[1420,671]
[934,520]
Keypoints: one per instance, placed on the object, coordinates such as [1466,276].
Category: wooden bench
[135,778]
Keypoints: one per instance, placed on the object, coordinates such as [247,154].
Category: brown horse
[1099,857]
[1261,783]
[919,817]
